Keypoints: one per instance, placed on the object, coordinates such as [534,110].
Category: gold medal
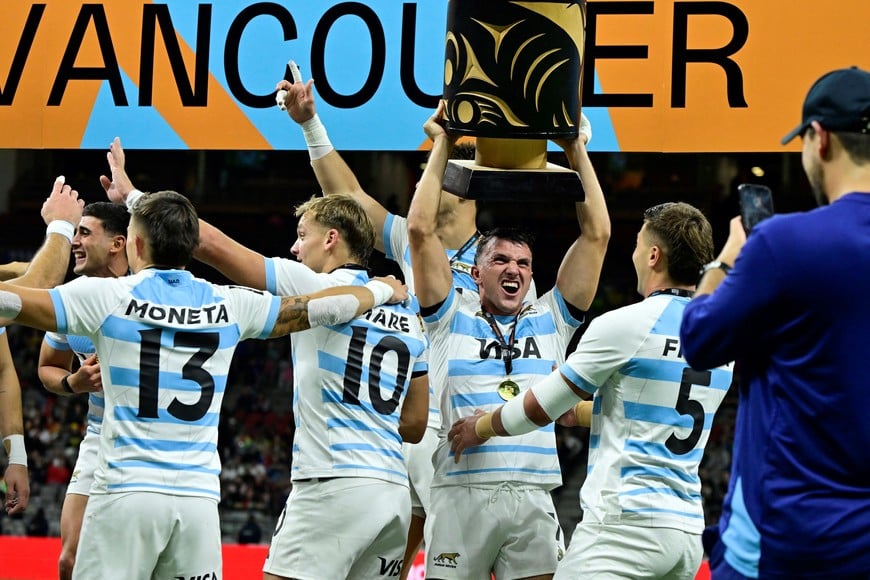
[508,389]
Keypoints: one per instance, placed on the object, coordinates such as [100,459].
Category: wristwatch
[715,265]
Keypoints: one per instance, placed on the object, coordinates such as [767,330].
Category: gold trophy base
[551,183]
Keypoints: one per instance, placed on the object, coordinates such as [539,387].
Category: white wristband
[132,198]
[61,227]
[382,291]
[514,419]
[14,445]
[316,138]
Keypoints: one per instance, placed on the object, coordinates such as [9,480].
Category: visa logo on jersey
[206,576]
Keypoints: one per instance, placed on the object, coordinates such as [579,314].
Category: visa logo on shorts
[206,576]
[390,568]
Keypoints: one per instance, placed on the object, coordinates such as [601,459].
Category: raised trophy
[512,74]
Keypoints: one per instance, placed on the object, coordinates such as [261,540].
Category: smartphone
[756,204]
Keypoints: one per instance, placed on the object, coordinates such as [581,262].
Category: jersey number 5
[353,370]
[149,373]
[687,406]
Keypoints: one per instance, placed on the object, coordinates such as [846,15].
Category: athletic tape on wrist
[10,304]
[514,419]
[555,396]
[483,427]
[332,310]
[14,445]
[61,227]
[382,291]
[316,138]
[133,198]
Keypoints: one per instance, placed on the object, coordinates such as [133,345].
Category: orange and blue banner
[660,75]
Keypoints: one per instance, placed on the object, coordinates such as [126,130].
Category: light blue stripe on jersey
[169,488]
[663,511]
[660,370]
[442,310]
[64,346]
[508,449]
[366,447]
[327,396]
[271,318]
[578,380]
[495,366]
[136,463]
[122,377]
[127,330]
[334,364]
[131,414]
[94,419]
[385,236]
[663,415]
[371,468]
[594,441]
[663,491]
[670,318]
[165,444]
[97,401]
[660,473]
[163,292]
[503,469]
[59,311]
[478,326]
[563,308]
[271,277]
[362,426]
[658,450]
[475,399]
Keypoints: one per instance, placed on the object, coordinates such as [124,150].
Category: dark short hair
[344,214]
[115,218]
[515,235]
[172,226]
[685,237]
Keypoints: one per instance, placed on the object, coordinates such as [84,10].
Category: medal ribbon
[507,348]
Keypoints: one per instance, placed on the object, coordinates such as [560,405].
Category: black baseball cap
[839,101]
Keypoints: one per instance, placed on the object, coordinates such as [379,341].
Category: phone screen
[756,204]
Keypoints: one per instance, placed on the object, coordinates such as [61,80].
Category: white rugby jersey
[398,248]
[165,340]
[349,381]
[466,356]
[651,416]
[82,347]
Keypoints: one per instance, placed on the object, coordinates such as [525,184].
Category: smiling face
[503,275]
[92,246]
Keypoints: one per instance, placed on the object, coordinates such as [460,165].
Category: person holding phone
[790,304]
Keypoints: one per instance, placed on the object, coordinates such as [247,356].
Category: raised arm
[239,263]
[335,305]
[12,432]
[61,212]
[332,172]
[432,276]
[580,270]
